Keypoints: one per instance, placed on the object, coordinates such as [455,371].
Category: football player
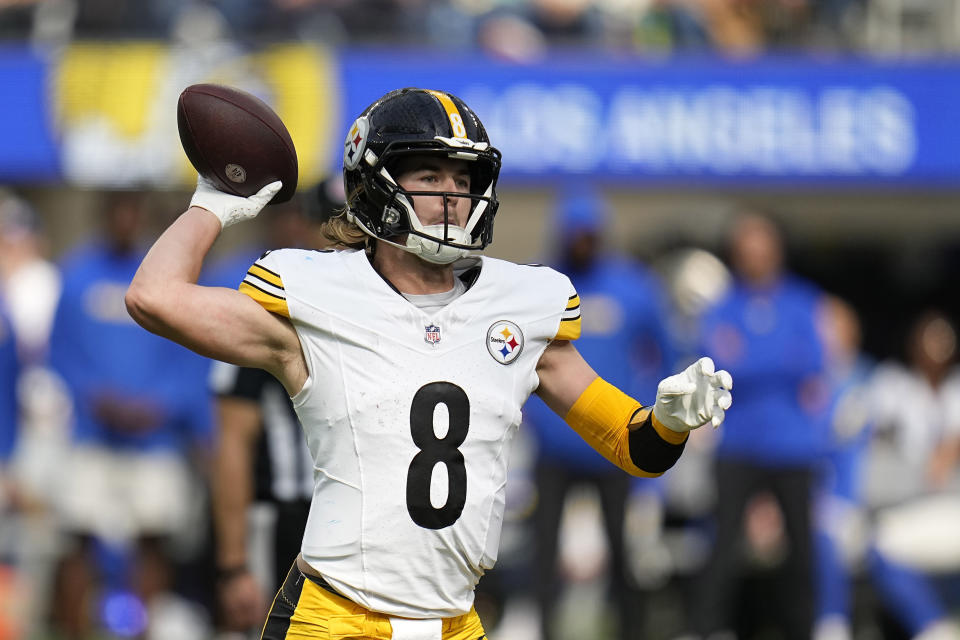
[407,359]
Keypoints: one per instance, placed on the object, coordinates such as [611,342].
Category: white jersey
[409,417]
[912,418]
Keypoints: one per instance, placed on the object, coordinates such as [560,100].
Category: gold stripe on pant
[304,610]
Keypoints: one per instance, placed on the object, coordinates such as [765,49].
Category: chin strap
[425,248]
[434,251]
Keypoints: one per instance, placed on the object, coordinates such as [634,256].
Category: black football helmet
[416,122]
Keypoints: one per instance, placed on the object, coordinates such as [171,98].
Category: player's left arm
[643,441]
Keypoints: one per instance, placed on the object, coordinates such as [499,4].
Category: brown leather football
[236,141]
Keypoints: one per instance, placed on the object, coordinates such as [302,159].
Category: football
[236,140]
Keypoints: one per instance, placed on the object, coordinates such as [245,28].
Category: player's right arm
[215,322]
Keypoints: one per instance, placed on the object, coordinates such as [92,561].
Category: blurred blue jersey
[101,352]
[623,338]
[9,369]
[767,339]
[229,270]
[849,430]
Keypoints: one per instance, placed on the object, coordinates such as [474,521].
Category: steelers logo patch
[355,143]
[504,341]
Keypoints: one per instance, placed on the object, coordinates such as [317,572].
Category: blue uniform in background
[97,348]
[773,440]
[840,492]
[140,426]
[9,370]
[769,343]
[140,409]
[9,428]
[229,270]
[624,338]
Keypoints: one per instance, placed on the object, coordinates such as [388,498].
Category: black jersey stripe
[272,295]
[266,275]
[253,275]
[260,266]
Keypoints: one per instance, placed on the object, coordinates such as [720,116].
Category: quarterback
[407,358]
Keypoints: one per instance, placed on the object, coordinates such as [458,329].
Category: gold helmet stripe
[456,120]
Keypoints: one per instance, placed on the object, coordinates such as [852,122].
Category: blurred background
[774,183]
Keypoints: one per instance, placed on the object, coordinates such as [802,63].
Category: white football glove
[694,397]
[229,208]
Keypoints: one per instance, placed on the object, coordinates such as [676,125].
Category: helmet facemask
[439,243]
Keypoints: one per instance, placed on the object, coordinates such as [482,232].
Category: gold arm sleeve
[606,418]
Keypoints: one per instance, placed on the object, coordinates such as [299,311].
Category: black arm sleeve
[649,451]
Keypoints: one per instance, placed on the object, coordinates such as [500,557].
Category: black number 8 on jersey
[434,450]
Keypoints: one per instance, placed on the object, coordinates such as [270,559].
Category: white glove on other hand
[694,397]
[229,208]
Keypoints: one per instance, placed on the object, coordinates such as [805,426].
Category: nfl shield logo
[431,334]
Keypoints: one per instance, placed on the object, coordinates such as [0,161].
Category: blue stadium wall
[103,114]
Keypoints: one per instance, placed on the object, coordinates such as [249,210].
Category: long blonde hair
[343,234]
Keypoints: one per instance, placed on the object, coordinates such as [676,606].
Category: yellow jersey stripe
[572,312]
[569,329]
[266,275]
[270,302]
[456,120]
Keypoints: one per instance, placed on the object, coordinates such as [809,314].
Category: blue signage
[28,150]
[792,122]
[697,121]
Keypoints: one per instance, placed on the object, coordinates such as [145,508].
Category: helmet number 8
[434,450]
[459,131]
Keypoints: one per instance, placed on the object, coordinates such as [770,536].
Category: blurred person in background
[565,22]
[140,412]
[695,279]
[9,420]
[911,481]
[261,456]
[30,282]
[625,338]
[743,27]
[764,332]
[525,31]
[873,438]
[839,518]
[667,26]
[919,425]
[11,619]
[29,289]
